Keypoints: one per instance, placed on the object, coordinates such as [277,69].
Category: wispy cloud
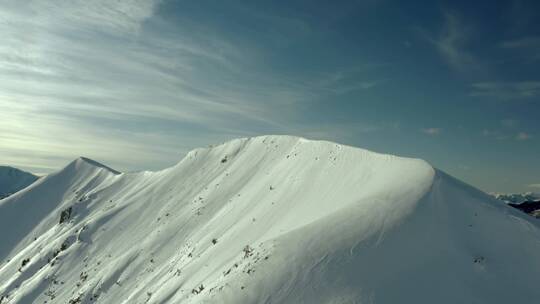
[452,41]
[348,80]
[507,134]
[77,73]
[506,90]
[509,123]
[111,17]
[432,131]
[529,47]
[523,136]
[487,132]
[493,134]
[534,185]
[522,43]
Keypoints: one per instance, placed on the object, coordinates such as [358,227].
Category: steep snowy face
[13,180]
[272,219]
[28,213]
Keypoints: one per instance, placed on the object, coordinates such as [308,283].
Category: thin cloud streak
[506,90]
[529,47]
[451,43]
[432,131]
[523,136]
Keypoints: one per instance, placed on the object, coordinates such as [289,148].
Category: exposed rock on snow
[273,219]
[529,207]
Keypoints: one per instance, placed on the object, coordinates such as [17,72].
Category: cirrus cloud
[432,131]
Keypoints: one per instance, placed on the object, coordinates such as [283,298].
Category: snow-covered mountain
[527,202]
[13,180]
[271,219]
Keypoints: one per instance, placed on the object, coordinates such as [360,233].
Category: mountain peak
[82,162]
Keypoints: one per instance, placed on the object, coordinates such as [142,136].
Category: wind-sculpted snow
[272,219]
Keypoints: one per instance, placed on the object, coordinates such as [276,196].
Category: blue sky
[138,83]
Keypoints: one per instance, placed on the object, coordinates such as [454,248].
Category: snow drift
[271,219]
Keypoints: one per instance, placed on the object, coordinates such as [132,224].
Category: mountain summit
[83,164]
[271,219]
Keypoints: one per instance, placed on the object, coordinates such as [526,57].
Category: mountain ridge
[271,219]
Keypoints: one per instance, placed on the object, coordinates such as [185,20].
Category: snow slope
[271,219]
[13,180]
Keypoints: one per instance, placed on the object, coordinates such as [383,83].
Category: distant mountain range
[13,180]
[527,202]
[517,198]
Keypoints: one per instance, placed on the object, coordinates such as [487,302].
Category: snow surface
[272,219]
[13,180]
